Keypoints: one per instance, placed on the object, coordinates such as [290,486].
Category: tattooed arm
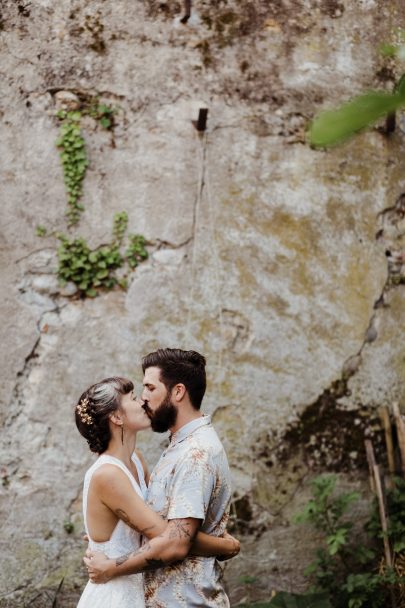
[111,490]
[172,545]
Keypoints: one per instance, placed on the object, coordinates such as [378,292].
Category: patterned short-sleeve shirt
[191,479]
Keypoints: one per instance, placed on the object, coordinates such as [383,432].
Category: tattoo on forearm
[179,528]
[123,558]
[121,514]
[152,563]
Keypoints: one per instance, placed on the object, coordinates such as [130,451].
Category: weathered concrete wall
[263,256]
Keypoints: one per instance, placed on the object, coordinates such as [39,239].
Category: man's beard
[164,416]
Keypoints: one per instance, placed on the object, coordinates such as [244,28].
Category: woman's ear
[116,419]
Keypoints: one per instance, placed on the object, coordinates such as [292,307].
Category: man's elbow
[175,552]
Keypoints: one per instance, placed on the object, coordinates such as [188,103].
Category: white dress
[123,591]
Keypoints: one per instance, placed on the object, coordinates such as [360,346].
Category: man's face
[158,404]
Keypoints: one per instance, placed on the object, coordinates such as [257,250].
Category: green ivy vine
[92,270]
[74,161]
[73,151]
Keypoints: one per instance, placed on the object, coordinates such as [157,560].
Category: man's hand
[234,548]
[99,567]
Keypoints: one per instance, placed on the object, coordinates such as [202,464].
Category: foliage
[74,161]
[255,605]
[73,150]
[291,600]
[335,126]
[248,579]
[396,523]
[68,526]
[91,270]
[41,230]
[396,48]
[120,226]
[345,568]
[136,251]
[103,113]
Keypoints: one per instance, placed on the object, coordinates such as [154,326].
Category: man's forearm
[170,546]
[155,553]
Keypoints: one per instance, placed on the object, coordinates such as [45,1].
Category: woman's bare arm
[115,491]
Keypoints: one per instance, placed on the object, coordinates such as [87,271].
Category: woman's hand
[100,569]
[231,548]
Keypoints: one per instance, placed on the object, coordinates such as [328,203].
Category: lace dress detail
[123,591]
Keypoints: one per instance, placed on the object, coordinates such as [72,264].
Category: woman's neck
[122,451]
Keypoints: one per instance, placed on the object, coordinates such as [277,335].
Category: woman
[109,416]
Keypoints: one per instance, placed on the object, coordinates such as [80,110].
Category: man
[190,487]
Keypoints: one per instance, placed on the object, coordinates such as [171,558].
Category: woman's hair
[94,408]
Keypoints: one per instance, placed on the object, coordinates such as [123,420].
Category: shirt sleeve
[192,486]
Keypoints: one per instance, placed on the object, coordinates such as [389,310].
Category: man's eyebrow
[149,385]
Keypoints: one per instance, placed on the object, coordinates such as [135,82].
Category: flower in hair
[82,410]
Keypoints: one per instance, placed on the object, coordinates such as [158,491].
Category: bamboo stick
[371,463]
[384,525]
[400,424]
[386,422]
[383,516]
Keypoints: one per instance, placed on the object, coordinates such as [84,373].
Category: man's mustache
[147,409]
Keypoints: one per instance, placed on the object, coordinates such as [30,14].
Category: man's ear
[178,392]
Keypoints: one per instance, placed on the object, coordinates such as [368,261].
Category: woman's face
[134,416]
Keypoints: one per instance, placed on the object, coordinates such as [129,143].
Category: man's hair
[180,367]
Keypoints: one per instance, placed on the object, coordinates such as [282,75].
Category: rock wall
[267,256]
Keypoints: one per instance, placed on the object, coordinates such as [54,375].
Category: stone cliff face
[265,255]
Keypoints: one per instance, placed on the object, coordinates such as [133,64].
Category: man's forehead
[152,375]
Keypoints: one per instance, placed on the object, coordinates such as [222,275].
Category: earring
[122,434]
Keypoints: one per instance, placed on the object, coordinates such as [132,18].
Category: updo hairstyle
[95,406]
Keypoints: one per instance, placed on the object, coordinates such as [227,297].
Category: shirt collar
[189,428]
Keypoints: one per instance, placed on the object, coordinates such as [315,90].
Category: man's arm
[222,547]
[170,546]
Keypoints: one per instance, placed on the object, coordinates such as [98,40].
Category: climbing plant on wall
[94,269]
[105,266]
[74,161]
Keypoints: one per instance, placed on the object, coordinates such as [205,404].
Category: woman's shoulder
[106,472]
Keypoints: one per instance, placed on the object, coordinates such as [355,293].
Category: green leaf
[91,293]
[40,230]
[102,274]
[399,546]
[400,86]
[335,126]
[105,122]
[292,600]
[93,257]
[337,540]
[388,50]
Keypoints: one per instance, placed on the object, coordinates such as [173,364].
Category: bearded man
[189,486]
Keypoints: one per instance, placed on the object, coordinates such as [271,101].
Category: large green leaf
[291,600]
[335,126]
